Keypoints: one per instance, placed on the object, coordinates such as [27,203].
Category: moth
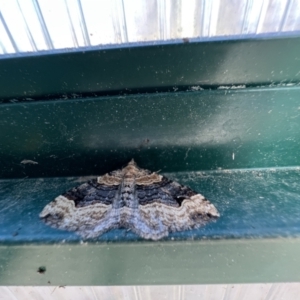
[142,201]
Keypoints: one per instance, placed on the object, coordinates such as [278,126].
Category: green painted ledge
[222,261]
[132,68]
[172,132]
[256,238]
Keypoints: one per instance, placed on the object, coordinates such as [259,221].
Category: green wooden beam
[149,68]
[224,261]
[186,131]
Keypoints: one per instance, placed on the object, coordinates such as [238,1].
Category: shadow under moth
[142,201]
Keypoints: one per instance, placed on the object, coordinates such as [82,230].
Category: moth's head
[131,168]
[132,163]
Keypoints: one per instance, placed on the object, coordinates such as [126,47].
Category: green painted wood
[224,261]
[186,131]
[147,68]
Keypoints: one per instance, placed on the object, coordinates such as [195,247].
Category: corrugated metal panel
[36,25]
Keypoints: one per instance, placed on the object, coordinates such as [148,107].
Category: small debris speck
[28,161]
[41,270]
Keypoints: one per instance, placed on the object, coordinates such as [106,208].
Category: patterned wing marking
[194,212]
[82,208]
[166,191]
[92,192]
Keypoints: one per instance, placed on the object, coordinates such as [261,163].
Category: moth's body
[127,190]
[147,203]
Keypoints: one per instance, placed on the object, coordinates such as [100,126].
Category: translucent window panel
[252,15]
[34,25]
[100,17]
[6,46]
[183,19]
[228,22]
[142,20]
[272,15]
[291,20]
[77,23]
[209,16]
[15,28]
[28,31]
[57,23]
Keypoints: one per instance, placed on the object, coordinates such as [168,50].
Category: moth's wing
[163,191]
[176,206]
[153,229]
[82,208]
[93,192]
